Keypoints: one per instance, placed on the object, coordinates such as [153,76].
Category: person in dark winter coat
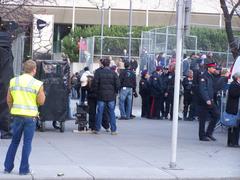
[170,92]
[220,82]
[92,104]
[232,107]
[188,96]
[106,85]
[144,91]
[164,105]
[156,93]
[127,88]
[207,107]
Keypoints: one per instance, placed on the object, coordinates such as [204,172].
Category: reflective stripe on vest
[26,89]
[33,108]
[29,88]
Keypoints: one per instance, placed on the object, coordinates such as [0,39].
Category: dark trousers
[233,136]
[83,94]
[145,105]
[105,119]
[155,106]
[162,110]
[92,103]
[187,109]
[169,105]
[194,105]
[126,104]
[77,88]
[207,112]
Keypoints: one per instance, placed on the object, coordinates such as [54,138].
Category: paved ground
[141,150]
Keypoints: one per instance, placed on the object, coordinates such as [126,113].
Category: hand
[166,94]
[135,94]
[209,103]
[227,74]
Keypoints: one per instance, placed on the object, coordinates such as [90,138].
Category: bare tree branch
[228,25]
[18,10]
[234,8]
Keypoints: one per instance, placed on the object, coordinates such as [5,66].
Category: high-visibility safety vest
[24,90]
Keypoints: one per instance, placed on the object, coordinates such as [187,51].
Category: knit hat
[144,72]
[158,68]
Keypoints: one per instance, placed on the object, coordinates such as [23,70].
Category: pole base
[172,166]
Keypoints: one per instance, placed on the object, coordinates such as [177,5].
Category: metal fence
[161,40]
[164,40]
[116,47]
[144,49]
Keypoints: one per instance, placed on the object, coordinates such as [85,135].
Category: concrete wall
[63,15]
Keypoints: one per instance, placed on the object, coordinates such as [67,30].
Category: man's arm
[41,96]
[9,99]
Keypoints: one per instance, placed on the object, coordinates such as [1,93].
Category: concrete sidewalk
[140,151]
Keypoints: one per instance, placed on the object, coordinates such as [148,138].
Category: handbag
[229,120]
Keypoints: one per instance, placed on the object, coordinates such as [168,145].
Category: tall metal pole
[147,13]
[220,20]
[130,31]
[109,16]
[73,16]
[180,15]
[102,26]
[166,45]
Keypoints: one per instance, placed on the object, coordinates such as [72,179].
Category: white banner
[42,43]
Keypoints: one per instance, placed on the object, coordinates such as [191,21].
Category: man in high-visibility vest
[25,94]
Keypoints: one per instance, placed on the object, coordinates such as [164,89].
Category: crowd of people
[203,83]
[100,91]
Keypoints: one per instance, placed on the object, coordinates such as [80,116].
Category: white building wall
[198,6]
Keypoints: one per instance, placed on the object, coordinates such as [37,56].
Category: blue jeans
[100,109]
[25,126]
[125,95]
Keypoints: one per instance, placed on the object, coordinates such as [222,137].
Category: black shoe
[233,145]
[132,116]
[187,118]
[122,118]
[190,119]
[204,139]
[6,136]
[211,137]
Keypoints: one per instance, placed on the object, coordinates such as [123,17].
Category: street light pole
[180,15]
[73,16]
[102,28]
[109,16]
[130,31]
[147,13]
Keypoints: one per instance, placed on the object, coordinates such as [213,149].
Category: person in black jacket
[106,85]
[220,82]
[170,93]
[188,96]
[164,106]
[92,104]
[207,106]
[127,87]
[144,91]
[156,93]
[232,107]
